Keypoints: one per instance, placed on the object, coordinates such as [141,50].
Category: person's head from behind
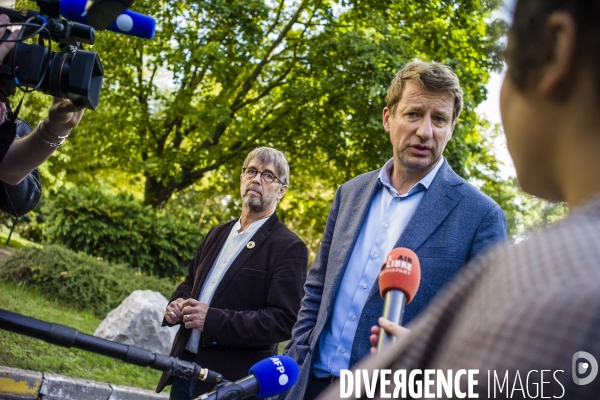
[550,97]
[423,103]
[265,179]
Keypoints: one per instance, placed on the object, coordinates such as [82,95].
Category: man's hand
[6,47]
[173,311]
[389,327]
[194,314]
[63,116]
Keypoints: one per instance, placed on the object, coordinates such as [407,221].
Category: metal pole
[68,337]
[11,231]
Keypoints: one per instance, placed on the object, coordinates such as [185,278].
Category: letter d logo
[582,368]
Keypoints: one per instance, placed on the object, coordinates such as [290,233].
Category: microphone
[399,281]
[61,335]
[128,23]
[102,12]
[266,378]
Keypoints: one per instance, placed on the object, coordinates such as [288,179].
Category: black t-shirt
[18,200]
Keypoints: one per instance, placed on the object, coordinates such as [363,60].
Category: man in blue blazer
[414,201]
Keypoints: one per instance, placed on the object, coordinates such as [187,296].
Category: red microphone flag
[401,271]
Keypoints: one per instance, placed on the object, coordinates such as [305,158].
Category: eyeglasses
[266,176]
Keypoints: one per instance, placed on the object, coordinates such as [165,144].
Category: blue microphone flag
[129,23]
[275,375]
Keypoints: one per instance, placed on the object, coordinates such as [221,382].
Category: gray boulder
[137,321]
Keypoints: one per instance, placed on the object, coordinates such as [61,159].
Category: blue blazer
[453,222]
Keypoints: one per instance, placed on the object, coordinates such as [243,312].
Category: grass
[16,240]
[19,351]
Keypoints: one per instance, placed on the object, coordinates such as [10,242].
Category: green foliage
[120,229]
[19,351]
[6,220]
[16,241]
[18,226]
[77,279]
[524,213]
[309,78]
[179,113]
[31,226]
[533,213]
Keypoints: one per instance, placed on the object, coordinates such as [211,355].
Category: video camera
[72,73]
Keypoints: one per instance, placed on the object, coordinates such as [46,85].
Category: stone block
[137,321]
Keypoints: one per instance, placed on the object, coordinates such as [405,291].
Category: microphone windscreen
[401,271]
[134,24]
[129,22]
[275,375]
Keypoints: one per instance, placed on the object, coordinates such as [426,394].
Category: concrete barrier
[20,384]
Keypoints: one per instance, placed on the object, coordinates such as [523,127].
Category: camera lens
[77,77]
[58,76]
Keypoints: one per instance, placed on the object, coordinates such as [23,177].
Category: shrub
[77,279]
[120,229]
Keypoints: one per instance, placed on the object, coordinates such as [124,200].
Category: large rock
[136,321]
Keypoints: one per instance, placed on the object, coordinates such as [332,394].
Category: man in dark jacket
[244,287]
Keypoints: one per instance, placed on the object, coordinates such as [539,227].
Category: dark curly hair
[530,44]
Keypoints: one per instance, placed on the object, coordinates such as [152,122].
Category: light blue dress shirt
[387,217]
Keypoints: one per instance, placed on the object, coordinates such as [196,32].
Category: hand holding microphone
[399,281]
[388,326]
[267,378]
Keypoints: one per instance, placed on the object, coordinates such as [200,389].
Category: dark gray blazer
[453,223]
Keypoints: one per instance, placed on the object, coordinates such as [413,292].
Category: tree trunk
[156,194]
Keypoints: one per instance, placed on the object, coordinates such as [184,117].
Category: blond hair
[430,76]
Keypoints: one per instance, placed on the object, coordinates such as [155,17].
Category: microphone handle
[393,310]
[68,337]
[241,389]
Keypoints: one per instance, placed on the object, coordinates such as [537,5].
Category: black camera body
[72,73]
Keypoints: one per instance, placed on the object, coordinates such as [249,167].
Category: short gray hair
[266,155]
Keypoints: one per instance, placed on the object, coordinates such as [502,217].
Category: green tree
[178,113]
[308,77]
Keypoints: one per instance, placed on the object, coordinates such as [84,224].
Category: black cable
[40,27]
[43,27]
[48,61]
